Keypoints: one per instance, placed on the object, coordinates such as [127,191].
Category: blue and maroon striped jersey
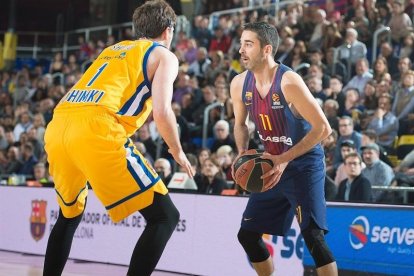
[278,128]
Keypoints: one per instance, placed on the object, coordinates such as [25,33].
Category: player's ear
[268,49]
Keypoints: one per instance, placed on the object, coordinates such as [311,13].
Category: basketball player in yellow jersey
[88,140]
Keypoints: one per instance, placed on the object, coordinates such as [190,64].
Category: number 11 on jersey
[266,122]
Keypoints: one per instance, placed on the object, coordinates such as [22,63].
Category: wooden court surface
[17,264]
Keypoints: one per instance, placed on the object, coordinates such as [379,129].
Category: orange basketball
[248,169]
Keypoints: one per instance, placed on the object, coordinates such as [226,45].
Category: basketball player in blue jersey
[87,140]
[291,126]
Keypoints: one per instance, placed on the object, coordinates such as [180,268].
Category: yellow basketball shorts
[91,146]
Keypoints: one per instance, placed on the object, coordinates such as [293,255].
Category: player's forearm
[314,136]
[241,136]
[167,127]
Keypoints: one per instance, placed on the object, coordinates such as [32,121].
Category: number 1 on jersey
[100,70]
[266,122]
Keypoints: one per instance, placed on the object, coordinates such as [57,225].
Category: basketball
[248,169]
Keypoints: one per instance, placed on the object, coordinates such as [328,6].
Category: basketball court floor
[18,264]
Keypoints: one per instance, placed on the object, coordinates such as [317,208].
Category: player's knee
[254,246]
[173,217]
[75,221]
[315,241]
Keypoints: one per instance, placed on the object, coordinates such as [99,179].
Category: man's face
[384,103]
[404,65]
[370,156]
[360,67]
[250,50]
[353,166]
[345,127]
[335,85]
[345,150]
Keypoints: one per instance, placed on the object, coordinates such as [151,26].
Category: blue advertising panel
[371,238]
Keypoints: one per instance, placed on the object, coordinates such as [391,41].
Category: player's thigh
[70,182]
[268,212]
[307,197]
[120,176]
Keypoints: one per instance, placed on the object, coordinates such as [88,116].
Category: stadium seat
[405,145]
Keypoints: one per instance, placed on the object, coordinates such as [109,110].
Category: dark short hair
[348,143]
[152,18]
[370,133]
[266,33]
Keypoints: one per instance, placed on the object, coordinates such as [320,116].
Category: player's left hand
[276,172]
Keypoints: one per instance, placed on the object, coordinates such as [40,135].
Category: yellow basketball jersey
[116,80]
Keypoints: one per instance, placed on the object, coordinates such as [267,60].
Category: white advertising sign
[204,243]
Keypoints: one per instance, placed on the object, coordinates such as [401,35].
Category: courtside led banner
[371,238]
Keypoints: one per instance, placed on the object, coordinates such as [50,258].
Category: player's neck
[265,74]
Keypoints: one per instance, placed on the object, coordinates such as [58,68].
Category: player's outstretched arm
[165,72]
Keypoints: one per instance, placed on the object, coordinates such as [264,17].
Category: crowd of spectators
[368,102]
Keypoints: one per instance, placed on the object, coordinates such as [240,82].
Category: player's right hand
[181,159]
[234,162]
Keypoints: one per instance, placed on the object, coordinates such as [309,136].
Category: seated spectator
[384,123]
[346,132]
[40,174]
[144,136]
[370,99]
[199,66]
[38,149]
[332,37]
[181,87]
[404,102]
[184,127]
[404,175]
[380,68]
[202,155]
[352,107]
[299,55]
[356,187]
[330,108]
[404,65]
[13,164]
[39,124]
[369,136]
[212,181]
[209,97]
[357,50]
[335,68]
[314,84]
[362,76]
[225,155]
[222,136]
[163,167]
[143,150]
[29,160]
[329,145]
[220,41]
[3,141]
[377,172]
[387,52]
[400,22]
[347,147]
[24,124]
[214,67]
[223,96]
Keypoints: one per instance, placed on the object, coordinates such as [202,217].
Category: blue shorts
[300,192]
